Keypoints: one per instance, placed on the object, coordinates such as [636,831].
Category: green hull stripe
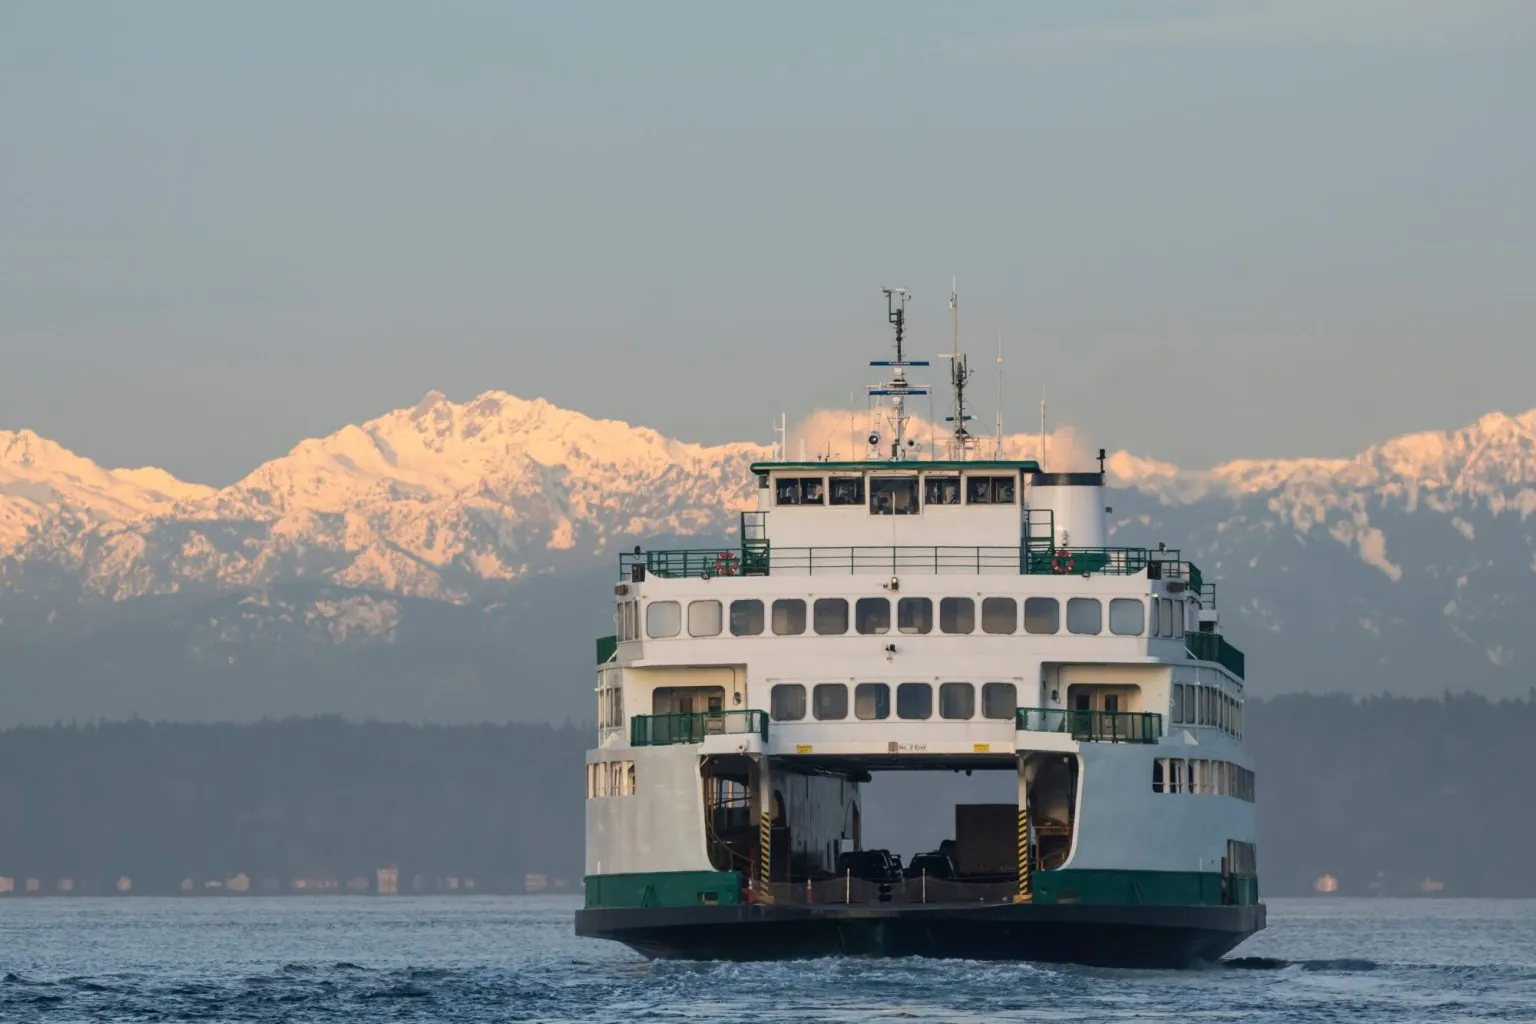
[664,889]
[1141,888]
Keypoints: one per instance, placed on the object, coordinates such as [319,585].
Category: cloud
[840,434]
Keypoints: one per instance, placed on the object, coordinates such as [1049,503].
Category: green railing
[758,558]
[1092,726]
[663,730]
[1214,647]
[607,647]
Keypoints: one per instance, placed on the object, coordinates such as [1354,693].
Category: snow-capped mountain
[465,542]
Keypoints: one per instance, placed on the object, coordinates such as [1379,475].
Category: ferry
[923,608]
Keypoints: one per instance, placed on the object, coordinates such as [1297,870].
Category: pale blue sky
[1210,229]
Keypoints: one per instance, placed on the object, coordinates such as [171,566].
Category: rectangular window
[788,616]
[893,495]
[746,618]
[1178,618]
[872,701]
[1127,616]
[829,615]
[847,490]
[663,618]
[914,615]
[957,700]
[787,702]
[989,490]
[1085,615]
[1167,604]
[1157,774]
[957,615]
[998,701]
[1042,615]
[1176,715]
[1155,626]
[941,490]
[799,491]
[830,702]
[704,618]
[872,615]
[999,615]
[914,701]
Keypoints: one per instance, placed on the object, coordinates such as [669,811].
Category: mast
[998,451]
[897,390]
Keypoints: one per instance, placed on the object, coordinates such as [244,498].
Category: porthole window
[746,618]
[957,701]
[788,616]
[663,618]
[872,615]
[998,700]
[829,616]
[704,618]
[1042,615]
[1085,615]
[830,702]
[1126,616]
[914,615]
[957,615]
[872,701]
[999,615]
[914,701]
[787,702]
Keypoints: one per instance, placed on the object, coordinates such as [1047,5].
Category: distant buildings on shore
[385,881]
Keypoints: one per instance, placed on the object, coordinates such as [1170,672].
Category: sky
[1205,230]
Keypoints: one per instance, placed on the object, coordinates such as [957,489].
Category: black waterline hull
[1102,936]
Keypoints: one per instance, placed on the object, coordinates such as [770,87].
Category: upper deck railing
[692,727]
[1092,726]
[1214,647]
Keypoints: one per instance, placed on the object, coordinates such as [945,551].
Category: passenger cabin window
[746,618]
[872,701]
[830,702]
[914,701]
[1155,626]
[957,700]
[792,490]
[1178,618]
[999,615]
[830,616]
[1126,616]
[788,616]
[1085,616]
[847,490]
[1042,615]
[893,495]
[989,490]
[957,615]
[1167,604]
[998,700]
[786,702]
[941,490]
[704,618]
[663,618]
[872,615]
[914,615]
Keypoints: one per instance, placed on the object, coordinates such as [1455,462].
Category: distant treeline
[1383,794]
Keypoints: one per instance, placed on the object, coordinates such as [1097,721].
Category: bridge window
[746,618]
[957,615]
[788,616]
[941,490]
[1155,626]
[914,615]
[1167,604]
[787,702]
[829,616]
[998,700]
[914,701]
[704,618]
[1085,615]
[847,490]
[830,701]
[989,490]
[1176,710]
[872,615]
[1127,616]
[810,490]
[1042,615]
[957,700]
[1178,618]
[663,618]
[872,701]
[893,495]
[999,615]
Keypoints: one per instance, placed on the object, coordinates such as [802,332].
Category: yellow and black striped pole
[1023,895]
[765,860]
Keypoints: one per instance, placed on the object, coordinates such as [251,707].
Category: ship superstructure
[918,610]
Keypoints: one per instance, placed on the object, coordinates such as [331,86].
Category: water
[515,959]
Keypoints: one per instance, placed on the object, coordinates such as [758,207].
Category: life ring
[725,564]
[1062,563]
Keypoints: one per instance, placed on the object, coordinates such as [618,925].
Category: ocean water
[515,959]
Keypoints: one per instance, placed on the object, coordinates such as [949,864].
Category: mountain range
[451,561]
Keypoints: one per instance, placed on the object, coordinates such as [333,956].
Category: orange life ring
[725,564]
[1062,564]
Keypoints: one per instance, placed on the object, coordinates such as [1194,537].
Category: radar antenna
[961,440]
[897,390]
